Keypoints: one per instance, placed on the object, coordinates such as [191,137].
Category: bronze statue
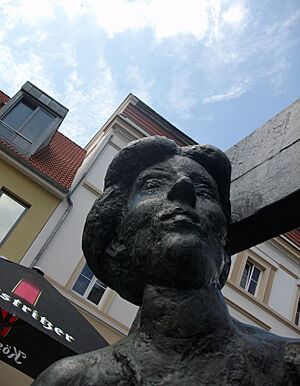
[158,236]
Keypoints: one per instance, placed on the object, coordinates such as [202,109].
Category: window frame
[88,288]
[250,279]
[268,271]
[294,310]
[38,98]
[26,207]
[297,313]
[37,107]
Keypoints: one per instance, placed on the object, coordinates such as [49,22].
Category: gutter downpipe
[70,205]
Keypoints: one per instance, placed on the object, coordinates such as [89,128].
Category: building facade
[37,167]
[35,172]
[263,285]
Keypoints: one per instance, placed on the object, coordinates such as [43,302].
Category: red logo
[25,290]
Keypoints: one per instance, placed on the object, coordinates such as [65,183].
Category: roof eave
[130,97]
[164,123]
[35,174]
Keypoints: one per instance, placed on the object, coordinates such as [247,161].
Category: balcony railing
[14,138]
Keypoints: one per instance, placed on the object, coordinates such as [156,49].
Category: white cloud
[21,41]
[14,73]
[90,103]
[167,18]
[66,54]
[235,15]
[277,75]
[181,98]
[233,92]
[31,12]
[74,8]
[139,86]
[118,16]
[261,54]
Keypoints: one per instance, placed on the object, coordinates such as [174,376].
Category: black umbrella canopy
[38,325]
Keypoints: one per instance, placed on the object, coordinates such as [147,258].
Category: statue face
[175,229]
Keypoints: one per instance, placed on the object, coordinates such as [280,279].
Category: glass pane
[252,287]
[87,272]
[297,314]
[96,292]
[297,318]
[298,308]
[246,275]
[39,122]
[247,269]
[255,274]
[10,212]
[243,281]
[18,115]
[81,285]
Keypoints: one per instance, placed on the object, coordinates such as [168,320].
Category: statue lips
[179,216]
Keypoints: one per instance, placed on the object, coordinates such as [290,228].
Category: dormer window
[28,120]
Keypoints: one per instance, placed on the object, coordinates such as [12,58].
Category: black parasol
[38,325]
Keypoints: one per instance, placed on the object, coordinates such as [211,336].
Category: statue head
[162,219]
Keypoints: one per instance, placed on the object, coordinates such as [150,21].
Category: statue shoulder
[93,368]
[292,360]
[60,373]
[281,353]
[257,335]
[292,349]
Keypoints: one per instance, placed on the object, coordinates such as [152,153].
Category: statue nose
[183,190]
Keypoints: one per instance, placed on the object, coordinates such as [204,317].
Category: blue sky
[216,69]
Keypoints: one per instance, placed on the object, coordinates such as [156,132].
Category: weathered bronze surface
[158,236]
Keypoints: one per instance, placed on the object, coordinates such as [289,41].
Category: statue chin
[180,263]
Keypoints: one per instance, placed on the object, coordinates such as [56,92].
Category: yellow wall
[108,333]
[10,376]
[42,204]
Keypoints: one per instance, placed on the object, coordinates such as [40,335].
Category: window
[250,277]
[28,119]
[297,316]
[88,286]
[252,272]
[11,211]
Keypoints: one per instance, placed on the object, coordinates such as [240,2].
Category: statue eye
[203,189]
[153,184]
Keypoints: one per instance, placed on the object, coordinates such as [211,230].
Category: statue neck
[170,315]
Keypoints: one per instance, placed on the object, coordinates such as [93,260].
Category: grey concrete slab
[265,187]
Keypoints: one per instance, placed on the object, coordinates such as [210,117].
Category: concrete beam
[265,188]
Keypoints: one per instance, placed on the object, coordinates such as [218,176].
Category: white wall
[97,173]
[261,314]
[284,288]
[283,294]
[121,309]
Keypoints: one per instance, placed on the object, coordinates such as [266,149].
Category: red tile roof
[3,98]
[294,236]
[154,124]
[58,162]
